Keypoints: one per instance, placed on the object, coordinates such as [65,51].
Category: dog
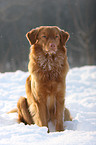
[46,85]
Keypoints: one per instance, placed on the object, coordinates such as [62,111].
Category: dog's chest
[50,63]
[46,64]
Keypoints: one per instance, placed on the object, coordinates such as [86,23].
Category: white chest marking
[51,104]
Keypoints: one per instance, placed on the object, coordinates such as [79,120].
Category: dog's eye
[57,36]
[44,36]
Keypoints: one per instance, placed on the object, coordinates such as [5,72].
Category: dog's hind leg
[67,115]
[23,112]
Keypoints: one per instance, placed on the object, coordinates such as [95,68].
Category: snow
[80,100]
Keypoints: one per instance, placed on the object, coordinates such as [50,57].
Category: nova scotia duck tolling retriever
[46,85]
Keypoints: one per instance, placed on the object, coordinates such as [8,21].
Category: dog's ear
[31,36]
[64,36]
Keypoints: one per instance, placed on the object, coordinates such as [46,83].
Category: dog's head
[50,38]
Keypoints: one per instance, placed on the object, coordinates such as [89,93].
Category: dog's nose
[52,46]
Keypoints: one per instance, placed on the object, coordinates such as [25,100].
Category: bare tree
[84,32]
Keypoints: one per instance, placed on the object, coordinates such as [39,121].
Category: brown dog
[45,87]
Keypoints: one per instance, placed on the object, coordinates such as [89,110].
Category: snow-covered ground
[80,99]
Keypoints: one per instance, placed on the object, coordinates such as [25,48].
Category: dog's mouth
[50,52]
[51,49]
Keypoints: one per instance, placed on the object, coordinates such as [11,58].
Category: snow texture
[80,100]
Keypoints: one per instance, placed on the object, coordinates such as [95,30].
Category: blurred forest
[17,17]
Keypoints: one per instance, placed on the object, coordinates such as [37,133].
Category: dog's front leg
[59,114]
[39,113]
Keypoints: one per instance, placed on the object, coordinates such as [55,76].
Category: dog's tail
[13,111]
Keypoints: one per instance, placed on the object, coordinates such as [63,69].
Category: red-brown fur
[46,85]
